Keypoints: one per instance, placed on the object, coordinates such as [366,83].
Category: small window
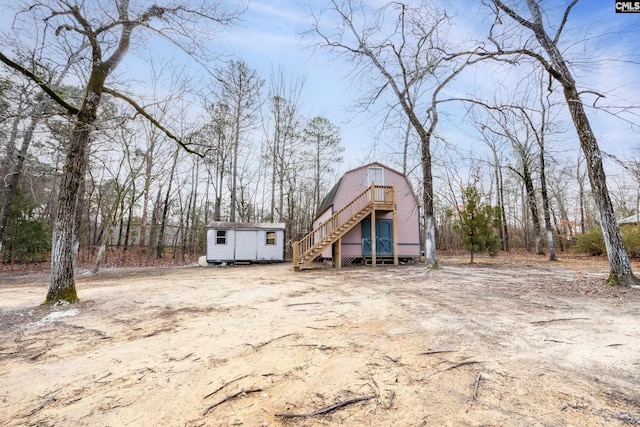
[271,238]
[221,237]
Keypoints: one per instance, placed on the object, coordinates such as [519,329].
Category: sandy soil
[514,341]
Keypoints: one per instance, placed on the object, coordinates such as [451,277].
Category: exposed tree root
[256,347]
[231,396]
[224,385]
[329,408]
[565,319]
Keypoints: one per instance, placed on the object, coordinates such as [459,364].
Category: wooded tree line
[263,161]
[100,164]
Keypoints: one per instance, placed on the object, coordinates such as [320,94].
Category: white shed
[230,242]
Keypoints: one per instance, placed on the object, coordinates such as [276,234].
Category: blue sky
[270,35]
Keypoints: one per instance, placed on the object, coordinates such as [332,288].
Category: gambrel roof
[328,200]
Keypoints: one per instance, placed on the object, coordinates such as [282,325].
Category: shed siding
[217,252]
[270,252]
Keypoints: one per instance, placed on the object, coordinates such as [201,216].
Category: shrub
[631,239]
[591,243]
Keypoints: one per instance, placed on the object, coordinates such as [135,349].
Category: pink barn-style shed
[372,203]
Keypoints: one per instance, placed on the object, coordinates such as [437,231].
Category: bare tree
[103,32]
[240,87]
[123,172]
[540,134]
[283,138]
[323,152]
[218,134]
[162,208]
[559,193]
[512,125]
[153,147]
[550,56]
[495,145]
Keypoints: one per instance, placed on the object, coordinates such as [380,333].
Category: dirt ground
[508,341]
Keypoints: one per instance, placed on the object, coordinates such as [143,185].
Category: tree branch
[495,55]
[140,110]
[87,32]
[514,15]
[597,94]
[71,110]
[565,17]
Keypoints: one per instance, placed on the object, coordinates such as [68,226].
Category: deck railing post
[296,254]
[373,192]
[393,194]
[374,239]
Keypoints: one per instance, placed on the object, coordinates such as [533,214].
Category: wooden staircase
[376,197]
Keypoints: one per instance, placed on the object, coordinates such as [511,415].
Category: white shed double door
[246,245]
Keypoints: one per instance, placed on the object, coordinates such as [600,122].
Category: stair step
[315,250]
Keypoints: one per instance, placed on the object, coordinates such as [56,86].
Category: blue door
[384,237]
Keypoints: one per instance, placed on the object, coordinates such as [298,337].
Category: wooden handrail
[376,194]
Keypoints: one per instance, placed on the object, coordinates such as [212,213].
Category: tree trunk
[504,234]
[6,166]
[405,149]
[496,167]
[78,221]
[318,175]
[427,200]
[62,285]
[503,214]
[431,260]
[525,219]
[193,229]
[620,267]
[165,210]
[153,227]
[127,231]
[234,167]
[121,224]
[185,225]
[106,236]
[217,210]
[545,207]
[111,221]
[580,178]
[559,229]
[274,160]
[148,169]
[533,206]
